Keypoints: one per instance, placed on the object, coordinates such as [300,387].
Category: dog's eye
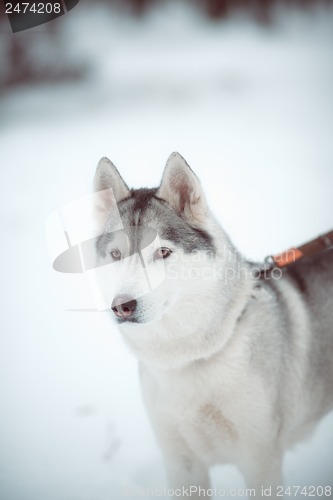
[162,253]
[115,254]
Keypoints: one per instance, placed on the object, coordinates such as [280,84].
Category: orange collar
[295,253]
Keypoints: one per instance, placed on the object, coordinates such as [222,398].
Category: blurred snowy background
[246,95]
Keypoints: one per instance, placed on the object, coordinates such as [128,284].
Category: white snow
[251,109]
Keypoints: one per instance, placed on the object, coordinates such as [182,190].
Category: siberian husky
[235,366]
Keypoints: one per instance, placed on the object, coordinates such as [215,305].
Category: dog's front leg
[265,477]
[187,476]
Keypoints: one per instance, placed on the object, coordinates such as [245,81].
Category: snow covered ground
[251,109]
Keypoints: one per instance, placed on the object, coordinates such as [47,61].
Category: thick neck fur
[189,332]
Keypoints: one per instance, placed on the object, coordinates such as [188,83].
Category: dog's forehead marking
[145,210]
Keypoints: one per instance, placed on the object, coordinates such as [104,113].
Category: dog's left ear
[181,188]
[110,189]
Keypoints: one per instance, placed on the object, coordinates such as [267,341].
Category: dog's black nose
[123,306]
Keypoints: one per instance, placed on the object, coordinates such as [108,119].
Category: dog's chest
[208,428]
[202,414]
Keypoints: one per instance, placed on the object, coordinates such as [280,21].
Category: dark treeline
[21,66]
[217,9]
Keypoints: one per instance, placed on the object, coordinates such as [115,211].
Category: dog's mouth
[135,321]
[121,321]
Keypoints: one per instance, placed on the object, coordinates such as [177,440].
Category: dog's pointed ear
[181,189]
[106,177]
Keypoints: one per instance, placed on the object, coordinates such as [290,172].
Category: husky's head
[163,244]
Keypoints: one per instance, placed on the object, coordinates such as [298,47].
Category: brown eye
[162,253]
[115,254]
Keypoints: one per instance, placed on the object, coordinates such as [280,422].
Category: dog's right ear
[181,188]
[110,189]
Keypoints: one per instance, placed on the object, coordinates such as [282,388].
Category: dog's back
[312,280]
[313,276]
